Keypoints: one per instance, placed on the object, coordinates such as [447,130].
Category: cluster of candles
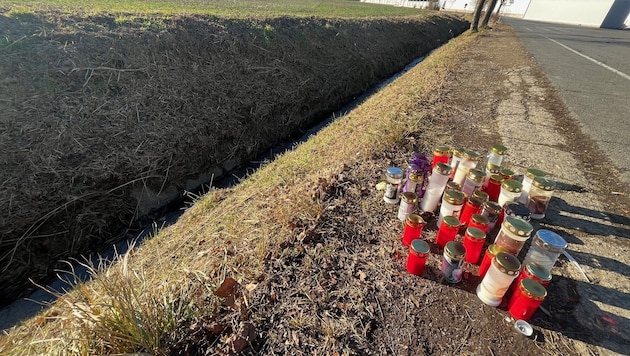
[473,202]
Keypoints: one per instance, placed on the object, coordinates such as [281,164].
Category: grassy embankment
[142,302]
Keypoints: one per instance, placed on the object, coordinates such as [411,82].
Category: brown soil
[340,286]
[103,121]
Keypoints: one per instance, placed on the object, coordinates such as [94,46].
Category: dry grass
[229,233]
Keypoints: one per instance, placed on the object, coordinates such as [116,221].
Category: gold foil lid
[471,155]
[492,207]
[533,289]
[494,249]
[442,151]
[493,168]
[443,168]
[544,183]
[507,263]
[499,149]
[539,271]
[476,175]
[497,179]
[507,173]
[518,226]
[451,221]
[476,233]
[513,186]
[458,152]
[409,197]
[455,250]
[479,219]
[533,173]
[481,195]
[414,220]
[454,186]
[419,247]
[474,201]
[454,197]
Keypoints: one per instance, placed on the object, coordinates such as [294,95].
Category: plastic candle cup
[441,154]
[417,258]
[528,178]
[503,270]
[513,234]
[483,196]
[491,251]
[492,211]
[526,299]
[471,206]
[452,260]
[535,272]
[510,191]
[473,180]
[457,156]
[474,239]
[435,188]
[447,231]
[507,174]
[393,179]
[494,187]
[452,203]
[413,228]
[539,196]
[514,209]
[479,221]
[496,155]
[545,249]
[468,162]
[491,170]
[407,205]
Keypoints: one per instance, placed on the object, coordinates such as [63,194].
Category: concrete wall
[577,12]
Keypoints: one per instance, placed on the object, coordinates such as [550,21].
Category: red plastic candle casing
[479,221]
[472,206]
[448,230]
[417,258]
[526,299]
[494,187]
[413,228]
[440,154]
[491,251]
[474,239]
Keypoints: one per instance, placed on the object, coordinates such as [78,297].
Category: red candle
[474,239]
[471,207]
[487,258]
[479,221]
[413,228]
[526,299]
[494,187]
[417,258]
[448,230]
[440,154]
[536,272]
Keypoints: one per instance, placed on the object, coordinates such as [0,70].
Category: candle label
[452,269]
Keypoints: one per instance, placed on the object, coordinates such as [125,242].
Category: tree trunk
[474,26]
[489,10]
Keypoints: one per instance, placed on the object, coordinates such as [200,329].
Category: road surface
[590,68]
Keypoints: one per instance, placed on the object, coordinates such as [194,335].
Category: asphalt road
[590,68]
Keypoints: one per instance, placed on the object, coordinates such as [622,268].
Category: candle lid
[474,201]
[507,263]
[533,173]
[518,226]
[409,197]
[481,195]
[451,221]
[493,168]
[497,178]
[523,328]
[476,233]
[512,185]
[544,183]
[533,289]
[458,152]
[476,175]
[492,207]
[480,219]
[414,220]
[443,168]
[550,241]
[499,149]
[454,197]
[415,175]
[442,151]
[420,247]
[453,185]
[394,172]
[494,249]
[507,173]
[517,209]
[471,155]
[538,271]
[455,249]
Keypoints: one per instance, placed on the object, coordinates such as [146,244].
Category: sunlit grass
[228,8]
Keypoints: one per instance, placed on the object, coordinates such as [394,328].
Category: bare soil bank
[104,121]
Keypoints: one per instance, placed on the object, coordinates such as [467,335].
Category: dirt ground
[340,286]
